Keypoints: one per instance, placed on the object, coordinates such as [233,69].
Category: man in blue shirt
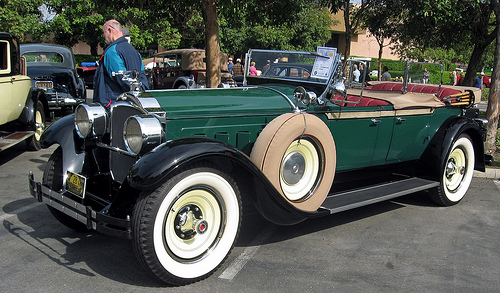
[478,82]
[230,65]
[118,56]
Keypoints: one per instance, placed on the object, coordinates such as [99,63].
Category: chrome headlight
[142,133]
[90,120]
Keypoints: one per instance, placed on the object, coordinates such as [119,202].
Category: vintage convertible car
[52,70]
[182,69]
[169,168]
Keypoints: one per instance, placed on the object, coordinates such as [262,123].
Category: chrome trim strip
[378,114]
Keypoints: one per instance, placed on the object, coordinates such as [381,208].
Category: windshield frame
[333,72]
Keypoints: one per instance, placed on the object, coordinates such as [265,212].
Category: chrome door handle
[401,119]
[376,121]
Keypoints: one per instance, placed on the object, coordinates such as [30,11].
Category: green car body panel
[235,116]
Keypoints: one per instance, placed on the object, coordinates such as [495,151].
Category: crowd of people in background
[456,78]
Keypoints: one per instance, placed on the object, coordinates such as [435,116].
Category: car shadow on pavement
[11,153]
[313,225]
[88,254]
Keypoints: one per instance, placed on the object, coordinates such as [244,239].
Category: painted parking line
[18,211]
[248,253]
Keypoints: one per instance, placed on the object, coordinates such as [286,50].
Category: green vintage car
[168,169]
[22,111]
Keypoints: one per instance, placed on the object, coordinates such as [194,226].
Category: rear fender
[184,80]
[157,167]
[27,116]
[433,159]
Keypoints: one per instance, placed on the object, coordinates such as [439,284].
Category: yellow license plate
[76,184]
[44,84]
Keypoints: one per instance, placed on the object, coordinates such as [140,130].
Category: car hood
[257,100]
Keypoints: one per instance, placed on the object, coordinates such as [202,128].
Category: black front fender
[62,132]
[157,167]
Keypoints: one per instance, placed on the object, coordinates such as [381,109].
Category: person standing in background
[386,76]
[237,68]
[126,34]
[119,56]
[230,65]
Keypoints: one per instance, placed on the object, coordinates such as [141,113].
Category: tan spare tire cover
[309,139]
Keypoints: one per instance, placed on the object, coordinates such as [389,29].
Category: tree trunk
[493,110]
[474,60]
[380,41]
[348,29]
[93,50]
[212,43]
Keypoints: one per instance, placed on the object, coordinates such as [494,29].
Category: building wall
[366,46]
[84,49]
[362,44]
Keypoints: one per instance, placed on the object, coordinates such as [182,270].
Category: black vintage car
[52,70]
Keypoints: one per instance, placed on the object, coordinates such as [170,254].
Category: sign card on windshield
[324,62]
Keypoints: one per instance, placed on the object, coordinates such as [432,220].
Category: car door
[362,134]
[410,137]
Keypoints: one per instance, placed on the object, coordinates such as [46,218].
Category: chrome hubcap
[293,169]
[300,170]
[189,222]
[455,169]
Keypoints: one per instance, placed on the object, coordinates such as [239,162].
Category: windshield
[308,67]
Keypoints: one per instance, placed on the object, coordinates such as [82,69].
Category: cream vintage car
[22,113]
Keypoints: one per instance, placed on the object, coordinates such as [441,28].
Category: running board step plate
[347,200]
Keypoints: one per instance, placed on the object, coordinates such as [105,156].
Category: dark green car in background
[168,169]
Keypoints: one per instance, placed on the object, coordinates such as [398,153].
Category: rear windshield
[41,57]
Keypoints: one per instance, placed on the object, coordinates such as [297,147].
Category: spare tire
[296,152]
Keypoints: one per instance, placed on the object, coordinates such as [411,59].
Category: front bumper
[95,220]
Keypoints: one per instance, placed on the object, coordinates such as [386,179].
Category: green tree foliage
[75,21]
[268,24]
[23,19]
[448,24]
[82,20]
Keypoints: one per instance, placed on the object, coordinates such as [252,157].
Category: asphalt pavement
[404,245]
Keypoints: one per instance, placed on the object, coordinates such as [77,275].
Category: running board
[14,138]
[347,200]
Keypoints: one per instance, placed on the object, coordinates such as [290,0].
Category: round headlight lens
[90,120]
[142,133]
[82,122]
